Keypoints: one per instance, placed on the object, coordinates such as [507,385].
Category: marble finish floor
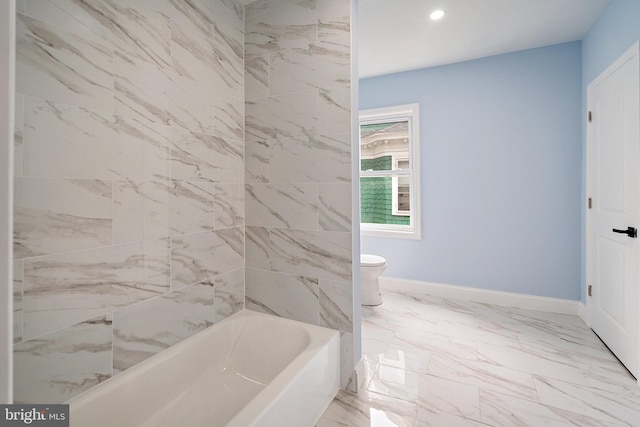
[439,362]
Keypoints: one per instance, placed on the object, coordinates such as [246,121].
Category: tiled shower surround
[133,171]
[129,195]
[298,164]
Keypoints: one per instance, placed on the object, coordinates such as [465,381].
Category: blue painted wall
[501,148]
[610,36]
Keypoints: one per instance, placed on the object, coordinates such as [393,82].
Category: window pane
[384,146]
[376,201]
[402,195]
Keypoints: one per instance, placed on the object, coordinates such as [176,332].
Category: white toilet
[371,268]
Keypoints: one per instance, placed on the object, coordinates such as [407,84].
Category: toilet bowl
[371,267]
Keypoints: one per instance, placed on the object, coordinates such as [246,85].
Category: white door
[613,174]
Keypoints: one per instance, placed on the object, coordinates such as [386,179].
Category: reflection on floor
[438,362]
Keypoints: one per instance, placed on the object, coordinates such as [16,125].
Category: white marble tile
[393,355]
[155,205]
[131,137]
[318,65]
[445,310]
[310,158]
[428,417]
[229,205]
[145,91]
[229,118]
[282,205]
[71,142]
[157,151]
[228,294]
[191,207]
[261,7]
[144,329]
[446,346]
[527,361]
[230,13]
[334,109]
[256,72]
[535,328]
[379,328]
[134,28]
[289,116]
[498,336]
[562,321]
[447,395]
[200,257]
[484,313]
[70,16]
[279,26]
[389,321]
[336,305]
[554,342]
[489,377]
[128,212]
[395,382]
[335,206]
[198,12]
[368,409]
[229,50]
[201,157]
[322,254]
[613,383]
[18,135]
[257,247]
[62,141]
[63,67]
[367,372]
[157,256]
[256,167]
[62,290]
[284,295]
[334,19]
[501,410]
[59,215]
[606,372]
[17,301]
[55,367]
[192,45]
[611,407]
[401,334]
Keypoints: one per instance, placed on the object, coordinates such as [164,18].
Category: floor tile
[503,410]
[431,418]
[611,407]
[368,409]
[433,361]
[491,377]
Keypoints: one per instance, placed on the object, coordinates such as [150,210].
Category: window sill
[394,234]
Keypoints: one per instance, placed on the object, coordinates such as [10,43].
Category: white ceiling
[397,35]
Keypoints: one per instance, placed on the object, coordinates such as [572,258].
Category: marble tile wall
[129,195]
[298,164]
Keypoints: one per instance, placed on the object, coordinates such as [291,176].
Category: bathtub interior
[208,378]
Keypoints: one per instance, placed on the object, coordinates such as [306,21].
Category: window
[389,179]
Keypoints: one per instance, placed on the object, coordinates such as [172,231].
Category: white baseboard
[507,299]
[582,312]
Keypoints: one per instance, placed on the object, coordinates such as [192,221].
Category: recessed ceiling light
[437,15]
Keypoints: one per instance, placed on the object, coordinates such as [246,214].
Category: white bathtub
[251,369]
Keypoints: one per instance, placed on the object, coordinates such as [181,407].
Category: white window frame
[395,187]
[410,112]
